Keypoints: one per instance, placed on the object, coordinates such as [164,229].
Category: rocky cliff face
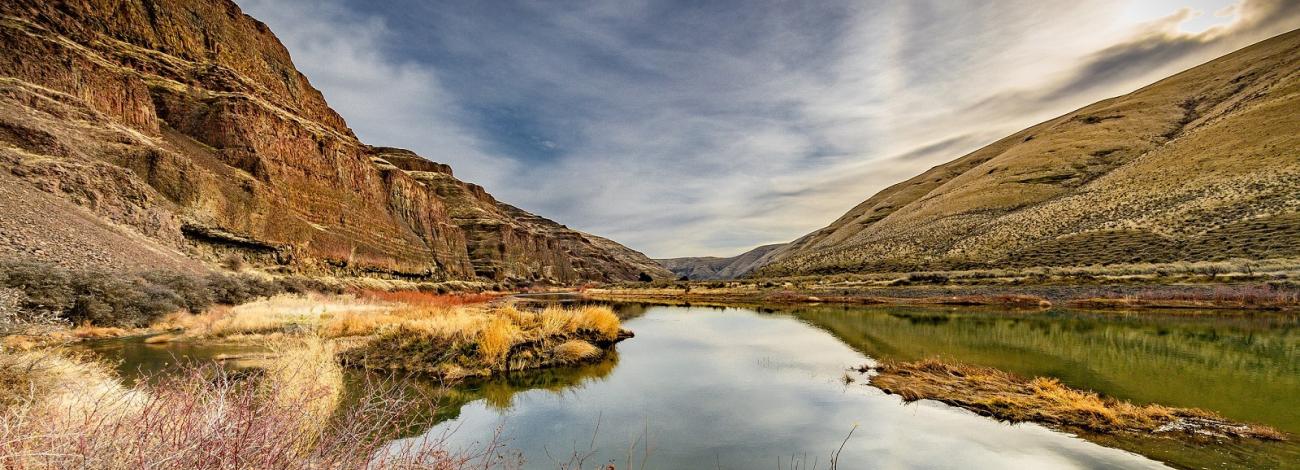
[1200,166]
[183,125]
[505,242]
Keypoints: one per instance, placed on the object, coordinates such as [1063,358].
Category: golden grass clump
[496,338]
[599,319]
[435,333]
[354,324]
[304,375]
[576,350]
[459,342]
[1008,397]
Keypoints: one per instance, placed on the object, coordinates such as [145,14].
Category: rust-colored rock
[185,122]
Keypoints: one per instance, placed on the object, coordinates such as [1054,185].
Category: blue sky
[707,128]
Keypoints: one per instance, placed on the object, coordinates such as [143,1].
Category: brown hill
[712,267]
[183,132]
[1203,165]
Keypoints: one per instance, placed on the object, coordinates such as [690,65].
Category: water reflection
[1244,367]
[738,389]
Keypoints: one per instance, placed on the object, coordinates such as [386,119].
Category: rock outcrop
[184,124]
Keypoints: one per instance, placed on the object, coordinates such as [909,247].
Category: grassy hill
[1200,166]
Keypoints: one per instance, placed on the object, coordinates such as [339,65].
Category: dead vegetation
[1007,397]
[460,342]
[447,335]
[1231,297]
[63,412]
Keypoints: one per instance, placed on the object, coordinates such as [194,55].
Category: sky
[686,128]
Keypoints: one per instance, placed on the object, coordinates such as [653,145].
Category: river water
[742,388]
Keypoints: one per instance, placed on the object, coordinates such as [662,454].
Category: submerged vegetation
[1008,397]
[64,411]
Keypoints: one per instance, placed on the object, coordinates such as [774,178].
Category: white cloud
[707,129]
[386,100]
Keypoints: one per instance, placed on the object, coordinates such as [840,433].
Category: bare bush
[207,418]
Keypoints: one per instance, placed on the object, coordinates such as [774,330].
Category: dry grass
[57,384]
[495,339]
[305,373]
[1257,296]
[97,332]
[575,350]
[63,412]
[1007,397]
[278,314]
[461,342]
[448,335]
[427,299]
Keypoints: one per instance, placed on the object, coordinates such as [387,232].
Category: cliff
[182,125]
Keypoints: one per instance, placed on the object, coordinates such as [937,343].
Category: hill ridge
[1143,177]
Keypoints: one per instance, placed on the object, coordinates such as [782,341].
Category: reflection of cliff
[628,311]
[1236,366]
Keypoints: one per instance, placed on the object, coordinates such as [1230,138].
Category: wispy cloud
[696,128]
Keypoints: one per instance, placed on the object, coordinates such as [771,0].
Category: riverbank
[1203,296]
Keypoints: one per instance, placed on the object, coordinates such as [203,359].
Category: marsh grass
[63,412]
[450,335]
[459,342]
[1007,397]
[575,350]
[1227,296]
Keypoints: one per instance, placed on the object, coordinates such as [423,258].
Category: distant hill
[1203,165]
[143,134]
[712,267]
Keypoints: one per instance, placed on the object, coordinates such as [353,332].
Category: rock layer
[184,124]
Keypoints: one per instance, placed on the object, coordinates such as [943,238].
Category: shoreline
[1257,297]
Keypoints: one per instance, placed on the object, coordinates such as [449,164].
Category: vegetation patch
[463,343]
[1007,397]
[446,335]
[44,293]
[63,411]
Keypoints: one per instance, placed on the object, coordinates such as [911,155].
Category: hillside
[1203,165]
[712,267]
[174,133]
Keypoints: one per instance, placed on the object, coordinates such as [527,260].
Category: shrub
[193,292]
[46,288]
[127,300]
[928,278]
[233,262]
[70,413]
